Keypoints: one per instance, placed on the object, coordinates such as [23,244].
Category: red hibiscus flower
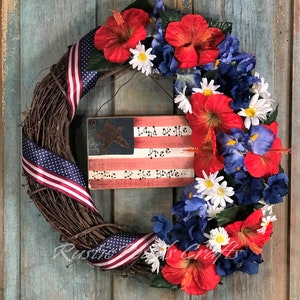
[120,33]
[207,158]
[194,270]
[244,234]
[267,164]
[195,43]
[212,113]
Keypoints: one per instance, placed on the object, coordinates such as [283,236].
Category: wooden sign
[139,152]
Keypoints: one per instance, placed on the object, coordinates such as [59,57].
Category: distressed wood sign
[139,152]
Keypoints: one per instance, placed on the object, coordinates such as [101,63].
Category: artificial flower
[212,212]
[260,139]
[159,248]
[267,164]
[195,206]
[183,102]
[194,270]
[142,59]
[277,187]
[244,234]
[256,112]
[195,43]
[119,35]
[261,88]
[248,190]
[265,222]
[207,89]
[221,195]
[217,238]
[151,259]
[243,260]
[162,226]
[212,114]
[209,183]
[189,234]
[207,158]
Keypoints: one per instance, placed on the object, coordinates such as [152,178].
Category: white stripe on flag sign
[139,152]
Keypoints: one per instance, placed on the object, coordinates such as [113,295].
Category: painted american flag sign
[139,152]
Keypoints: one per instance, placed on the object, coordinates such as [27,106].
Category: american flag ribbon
[79,79]
[120,249]
[55,172]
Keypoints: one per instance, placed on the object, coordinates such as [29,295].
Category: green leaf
[168,16]
[226,27]
[141,4]
[159,282]
[211,75]
[272,117]
[228,215]
[97,62]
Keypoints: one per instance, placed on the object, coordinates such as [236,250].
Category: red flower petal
[194,42]
[116,39]
[244,234]
[267,164]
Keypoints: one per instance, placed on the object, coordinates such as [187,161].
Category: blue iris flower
[261,139]
[162,227]
[232,147]
[195,207]
[248,189]
[188,235]
[245,261]
[277,188]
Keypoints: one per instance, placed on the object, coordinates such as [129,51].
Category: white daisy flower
[184,103]
[207,89]
[261,87]
[256,112]
[159,248]
[221,195]
[151,259]
[217,238]
[142,59]
[208,184]
[213,211]
[265,221]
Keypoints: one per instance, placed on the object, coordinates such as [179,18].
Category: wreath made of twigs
[224,217]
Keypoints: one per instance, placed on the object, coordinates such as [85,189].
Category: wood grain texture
[38,33]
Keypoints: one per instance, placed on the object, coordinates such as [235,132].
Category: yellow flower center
[220,192]
[231,143]
[209,184]
[190,195]
[254,137]
[220,239]
[267,223]
[207,92]
[142,57]
[250,112]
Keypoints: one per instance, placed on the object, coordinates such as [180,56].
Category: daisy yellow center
[220,239]
[142,57]
[220,192]
[207,92]
[231,143]
[267,223]
[250,112]
[209,183]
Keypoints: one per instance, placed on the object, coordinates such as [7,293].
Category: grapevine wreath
[224,216]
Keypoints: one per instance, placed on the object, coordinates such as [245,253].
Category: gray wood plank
[11,163]
[294,259]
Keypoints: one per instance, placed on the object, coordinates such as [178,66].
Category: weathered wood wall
[35,34]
